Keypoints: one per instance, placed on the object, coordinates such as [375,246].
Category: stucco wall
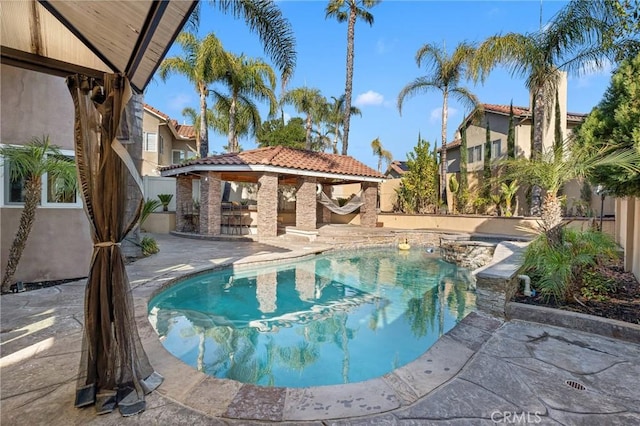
[59,245]
[475,224]
[35,104]
[627,232]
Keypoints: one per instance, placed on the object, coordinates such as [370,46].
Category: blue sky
[384,64]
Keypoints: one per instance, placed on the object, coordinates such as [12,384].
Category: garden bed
[607,291]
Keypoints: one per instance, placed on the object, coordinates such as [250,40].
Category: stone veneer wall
[497,282]
[184,188]
[268,205]
[369,212]
[467,254]
[306,203]
[210,203]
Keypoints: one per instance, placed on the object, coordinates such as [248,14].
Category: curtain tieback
[106,244]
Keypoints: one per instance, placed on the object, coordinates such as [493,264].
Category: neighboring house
[165,142]
[396,169]
[497,117]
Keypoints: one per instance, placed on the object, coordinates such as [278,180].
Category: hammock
[353,204]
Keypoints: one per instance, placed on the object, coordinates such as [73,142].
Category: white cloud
[436,114]
[180,100]
[287,117]
[369,98]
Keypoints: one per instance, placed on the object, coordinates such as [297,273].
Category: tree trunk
[231,139]
[443,152]
[33,190]
[348,89]
[551,219]
[538,130]
[203,149]
[308,126]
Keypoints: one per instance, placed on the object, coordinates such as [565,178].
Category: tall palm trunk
[551,218]
[443,155]
[348,90]
[308,128]
[538,130]
[203,149]
[33,188]
[231,139]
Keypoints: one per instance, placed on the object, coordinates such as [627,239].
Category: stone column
[184,189]
[369,212]
[306,203]
[326,213]
[268,205]
[210,203]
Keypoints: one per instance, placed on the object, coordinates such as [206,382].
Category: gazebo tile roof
[288,158]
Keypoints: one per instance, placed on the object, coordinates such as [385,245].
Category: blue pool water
[336,318]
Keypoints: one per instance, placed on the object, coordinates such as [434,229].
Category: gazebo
[311,172]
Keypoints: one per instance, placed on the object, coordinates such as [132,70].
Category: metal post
[601,209]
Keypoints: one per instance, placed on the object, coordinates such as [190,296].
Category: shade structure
[64,37]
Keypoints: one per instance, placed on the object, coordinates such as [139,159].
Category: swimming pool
[335,318]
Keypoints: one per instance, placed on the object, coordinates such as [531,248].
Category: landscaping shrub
[554,268]
[149,246]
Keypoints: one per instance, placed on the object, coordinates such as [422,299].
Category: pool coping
[226,398]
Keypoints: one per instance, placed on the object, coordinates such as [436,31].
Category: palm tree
[265,18]
[381,153]
[203,62]
[247,78]
[550,172]
[444,75]
[335,118]
[246,120]
[574,42]
[305,100]
[194,119]
[350,11]
[28,163]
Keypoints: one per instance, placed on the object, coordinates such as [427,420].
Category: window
[53,193]
[474,154]
[177,156]
[161,144]
[150,142]
[496,148]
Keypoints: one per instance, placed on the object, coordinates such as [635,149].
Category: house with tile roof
[310,173]
[165,141]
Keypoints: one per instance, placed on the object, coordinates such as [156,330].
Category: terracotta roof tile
[289,158]
[185,131]
[157,111]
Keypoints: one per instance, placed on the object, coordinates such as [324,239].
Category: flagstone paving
[484,371]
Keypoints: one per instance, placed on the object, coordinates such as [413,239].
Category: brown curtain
[114,369]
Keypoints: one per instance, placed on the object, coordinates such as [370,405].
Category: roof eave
[261,168]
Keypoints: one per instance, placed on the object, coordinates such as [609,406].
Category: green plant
[148,207]
[555,267]
[149,246]
[496,199]
[595,286]
[165,199]
[508,192]
[454,187]
[26,165]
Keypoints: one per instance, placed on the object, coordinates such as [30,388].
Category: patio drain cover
[575,385]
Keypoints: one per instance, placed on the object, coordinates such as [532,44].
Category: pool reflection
[327,320]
